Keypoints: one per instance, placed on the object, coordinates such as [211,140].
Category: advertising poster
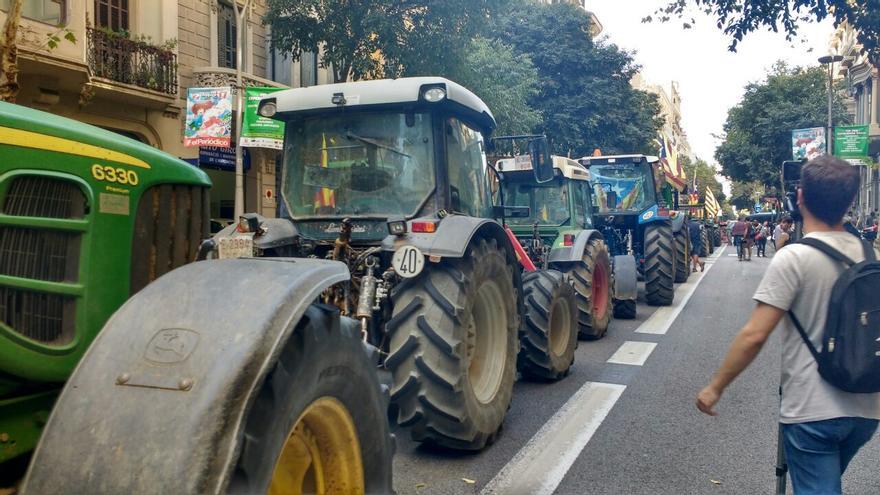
[258,131]
[808,143]
[208,117]
[851,143]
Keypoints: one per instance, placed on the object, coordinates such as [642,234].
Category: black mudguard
[453,236]
[625,278]
[155,404]
[574,252]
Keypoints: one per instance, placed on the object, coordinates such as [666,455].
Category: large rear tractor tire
[659,264]
[683,254]
[549,331]
[592,285]
[716,237]
[453,348]
[318,424]
[706,248]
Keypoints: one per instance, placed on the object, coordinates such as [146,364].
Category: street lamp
[829,61]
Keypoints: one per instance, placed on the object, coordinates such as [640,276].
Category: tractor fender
[574,252]
[678,222]
[625,277]
[154,404]
[452,238]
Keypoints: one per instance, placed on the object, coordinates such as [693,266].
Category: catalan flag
[672,169]
[713,208]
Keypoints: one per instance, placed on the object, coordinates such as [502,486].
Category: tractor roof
[602,160]
[407,91]
[569,168]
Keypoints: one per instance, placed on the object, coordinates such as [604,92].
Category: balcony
[136,64]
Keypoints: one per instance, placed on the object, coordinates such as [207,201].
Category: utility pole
[829,60]
[241,42]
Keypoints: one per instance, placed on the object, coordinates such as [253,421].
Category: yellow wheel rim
[322,454]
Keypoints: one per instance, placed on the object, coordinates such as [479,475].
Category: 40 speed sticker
[408,261]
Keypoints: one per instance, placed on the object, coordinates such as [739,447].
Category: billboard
[808,143]
[851,141]
[208,117]
[258,131]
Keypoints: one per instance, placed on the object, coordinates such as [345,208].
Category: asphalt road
[649,439]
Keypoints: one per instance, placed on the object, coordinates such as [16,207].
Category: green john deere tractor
[87,218]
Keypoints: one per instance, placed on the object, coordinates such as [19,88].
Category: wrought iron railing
[119,58]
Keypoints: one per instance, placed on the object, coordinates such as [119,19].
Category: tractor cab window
[468,172]
[582,203]
[548,202]
[370,164]
[633,185]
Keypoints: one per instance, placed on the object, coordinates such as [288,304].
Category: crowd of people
[747,235]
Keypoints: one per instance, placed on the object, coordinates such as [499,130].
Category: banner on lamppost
[851,142]
[258,131]
[208,117]
[808,143]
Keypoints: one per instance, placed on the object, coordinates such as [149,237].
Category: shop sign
[222,158]
[258,131]
[208,117]
[808,143]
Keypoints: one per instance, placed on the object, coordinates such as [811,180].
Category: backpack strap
[804,336]
[827,250]
[870,255]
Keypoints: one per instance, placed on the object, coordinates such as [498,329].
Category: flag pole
[241,34]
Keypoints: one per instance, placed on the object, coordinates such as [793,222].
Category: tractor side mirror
[611,199]
[542,164]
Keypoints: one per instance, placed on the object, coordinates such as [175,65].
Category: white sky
[711,78]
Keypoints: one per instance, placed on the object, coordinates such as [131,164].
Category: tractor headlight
[397,226]
[433,95]
[268,108]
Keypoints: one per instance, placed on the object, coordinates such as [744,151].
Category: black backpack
[850,357]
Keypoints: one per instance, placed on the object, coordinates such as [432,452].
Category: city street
[633,428]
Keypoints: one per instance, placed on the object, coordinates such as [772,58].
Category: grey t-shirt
[800,278]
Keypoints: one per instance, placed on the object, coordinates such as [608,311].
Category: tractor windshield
[372,164]
[548,202]
[633,185]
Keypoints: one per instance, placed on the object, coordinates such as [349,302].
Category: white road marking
[544,461]
[659,322]
[632,353]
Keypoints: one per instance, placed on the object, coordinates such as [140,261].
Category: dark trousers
[762,247]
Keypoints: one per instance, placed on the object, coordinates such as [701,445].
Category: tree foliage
[737,18]
[9,57]
[744,194]
[505,80]
[370,39]
[705,175]
[758,130]
[585,97]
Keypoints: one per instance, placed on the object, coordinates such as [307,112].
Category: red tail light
[424,227]
[568,240]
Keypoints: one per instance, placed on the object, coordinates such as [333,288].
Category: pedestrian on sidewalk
[696,244]
[823,427]
[739,231]
[761,239]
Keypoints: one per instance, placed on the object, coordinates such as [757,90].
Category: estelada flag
[675,175]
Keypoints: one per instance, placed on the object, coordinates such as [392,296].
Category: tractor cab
[627,188]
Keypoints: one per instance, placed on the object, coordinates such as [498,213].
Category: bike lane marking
[539,467]
[662,319]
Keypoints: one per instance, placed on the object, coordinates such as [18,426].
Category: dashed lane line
[659,322]
[544,461]
[632,353]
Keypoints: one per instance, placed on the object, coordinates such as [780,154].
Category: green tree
[737,18]
[369,39]
[585,97]
[705,174]
[505,81]
[744,195]
[757,133]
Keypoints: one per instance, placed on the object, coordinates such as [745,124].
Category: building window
[227,35]
[112,15]
[280,69]
[308,69]
[52,12]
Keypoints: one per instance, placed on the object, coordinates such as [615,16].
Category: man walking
[696,244]
[822,426]
[739,232]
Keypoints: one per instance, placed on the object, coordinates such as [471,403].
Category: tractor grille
[36,196]
[38,254]
[170,223]
[46,318]
[42,254]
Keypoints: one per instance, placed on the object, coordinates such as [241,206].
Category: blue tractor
[634,212]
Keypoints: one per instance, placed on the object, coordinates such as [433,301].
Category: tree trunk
[9,57]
